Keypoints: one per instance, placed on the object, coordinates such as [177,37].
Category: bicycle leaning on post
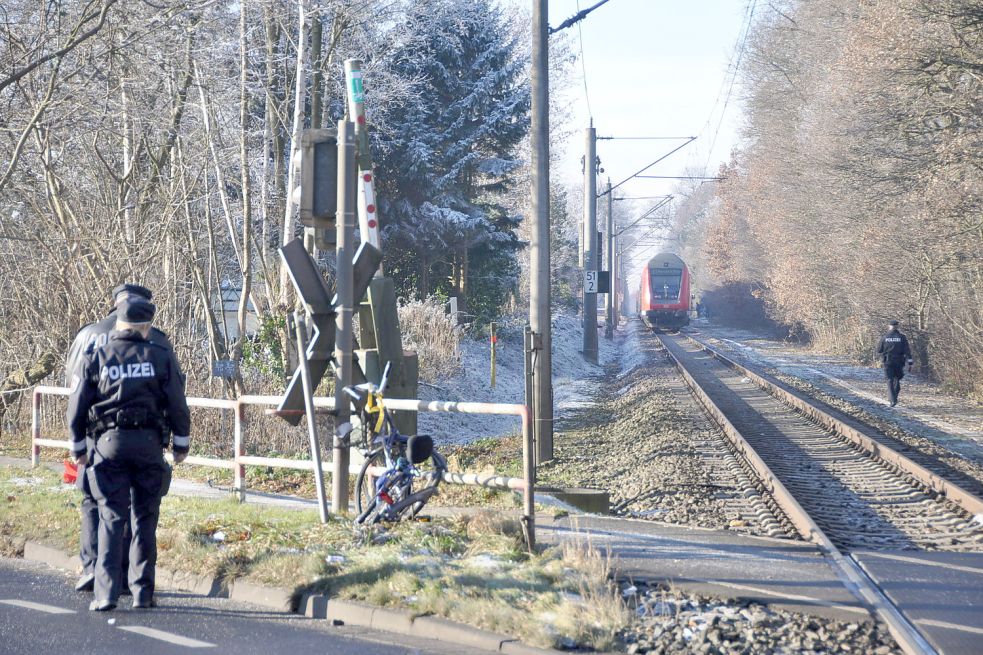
[394,464]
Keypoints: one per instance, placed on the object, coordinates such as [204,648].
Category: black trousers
[127,473]
[893,373]
[89,534]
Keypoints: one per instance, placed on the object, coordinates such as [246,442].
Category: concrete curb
[339,612]
[201,585]
[345,612]
[51,556]
[166,579]
[272,597]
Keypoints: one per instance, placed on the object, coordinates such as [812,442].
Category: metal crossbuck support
[320,305]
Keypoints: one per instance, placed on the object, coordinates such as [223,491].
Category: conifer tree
[449,151]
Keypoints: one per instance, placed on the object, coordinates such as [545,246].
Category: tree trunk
[247,216]
[424,277]
[300,84]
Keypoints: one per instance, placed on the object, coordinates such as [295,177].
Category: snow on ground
[924,408]
[573,380]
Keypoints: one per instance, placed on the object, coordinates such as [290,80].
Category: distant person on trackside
[894,353]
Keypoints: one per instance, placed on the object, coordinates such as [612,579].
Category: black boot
[86,583]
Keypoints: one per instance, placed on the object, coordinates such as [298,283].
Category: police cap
[136,311]
[893,321]
[133,289]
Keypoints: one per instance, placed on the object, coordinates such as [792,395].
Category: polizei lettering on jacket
[124,371]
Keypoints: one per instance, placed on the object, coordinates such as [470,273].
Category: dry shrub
[600,613]
[491,522]
[428,330]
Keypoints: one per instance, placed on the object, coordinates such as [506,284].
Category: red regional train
[663,298]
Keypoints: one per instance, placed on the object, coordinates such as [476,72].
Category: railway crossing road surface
[40,613]
[791,575]
[940,593]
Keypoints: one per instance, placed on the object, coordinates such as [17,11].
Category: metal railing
[239,460]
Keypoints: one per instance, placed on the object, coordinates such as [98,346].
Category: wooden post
[239,471]
[494,343]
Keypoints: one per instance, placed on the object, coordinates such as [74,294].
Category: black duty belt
[130,418]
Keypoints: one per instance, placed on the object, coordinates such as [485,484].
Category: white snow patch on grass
[574,380]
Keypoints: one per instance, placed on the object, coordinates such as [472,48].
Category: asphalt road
[40,613]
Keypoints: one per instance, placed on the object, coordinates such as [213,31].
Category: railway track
[944,464]
[842,489]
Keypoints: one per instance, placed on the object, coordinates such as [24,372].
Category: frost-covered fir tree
[449,151]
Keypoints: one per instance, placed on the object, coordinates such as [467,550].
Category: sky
[653,68]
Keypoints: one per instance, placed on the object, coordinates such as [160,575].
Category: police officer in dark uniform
[894,352]
[125,390]
[89,338]
[93,335]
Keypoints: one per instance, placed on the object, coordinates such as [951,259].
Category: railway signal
[315,170]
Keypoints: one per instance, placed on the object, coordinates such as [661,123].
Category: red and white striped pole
[368,215]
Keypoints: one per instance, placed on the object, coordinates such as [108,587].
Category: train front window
[665,283]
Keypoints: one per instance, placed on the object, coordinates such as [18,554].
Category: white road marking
[50,609]
[167,636]
[951,626]
[922,562]
[782,594]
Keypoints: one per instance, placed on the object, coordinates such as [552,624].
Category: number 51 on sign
[590,281]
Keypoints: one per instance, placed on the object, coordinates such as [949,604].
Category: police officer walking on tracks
[894,352]
[89,338]
[125,390]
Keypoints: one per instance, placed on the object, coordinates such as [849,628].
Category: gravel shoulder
[646,440]
[668,621]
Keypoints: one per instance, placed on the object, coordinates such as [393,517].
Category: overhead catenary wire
[695,157]
[733,80]
[657,206]
[689,140]
[680,177]
[583,65]
[576,18]
[642,138]
[636,241]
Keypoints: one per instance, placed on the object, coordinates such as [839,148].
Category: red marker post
[368,218]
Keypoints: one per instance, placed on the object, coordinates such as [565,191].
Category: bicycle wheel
[431,479]
[382,498]
[365,483]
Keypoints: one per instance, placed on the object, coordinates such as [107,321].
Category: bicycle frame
[392,492]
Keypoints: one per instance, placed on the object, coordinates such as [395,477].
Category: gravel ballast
[668,621]
[646,440]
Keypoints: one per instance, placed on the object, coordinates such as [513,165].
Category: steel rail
[853,577]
